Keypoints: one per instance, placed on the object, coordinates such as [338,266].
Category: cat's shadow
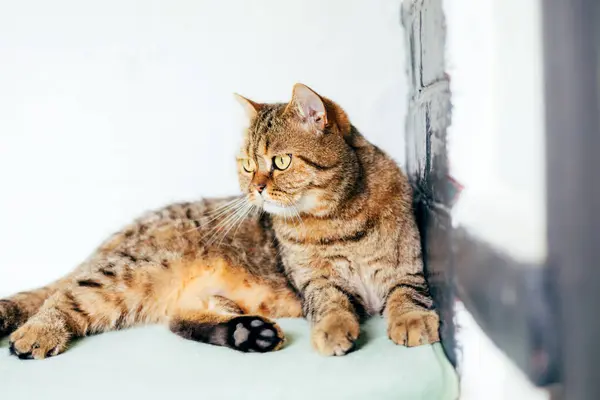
[290,339]
[362,340]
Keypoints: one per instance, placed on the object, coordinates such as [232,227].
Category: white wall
[110,108]
[494,58]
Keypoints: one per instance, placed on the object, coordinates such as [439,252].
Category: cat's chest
[359,276]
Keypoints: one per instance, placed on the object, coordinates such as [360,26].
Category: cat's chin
[275,209]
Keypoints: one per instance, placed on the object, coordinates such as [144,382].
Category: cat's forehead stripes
[259,134]
[265,120]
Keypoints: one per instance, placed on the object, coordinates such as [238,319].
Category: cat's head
[296,156]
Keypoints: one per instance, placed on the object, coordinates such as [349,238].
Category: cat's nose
[260,187]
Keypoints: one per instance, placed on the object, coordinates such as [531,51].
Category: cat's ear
[309,106]
[251,108]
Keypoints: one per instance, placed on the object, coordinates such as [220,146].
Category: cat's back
[208,228]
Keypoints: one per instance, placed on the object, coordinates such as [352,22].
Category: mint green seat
[151,363]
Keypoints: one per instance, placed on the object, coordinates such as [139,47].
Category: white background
[494,57]
[111,108]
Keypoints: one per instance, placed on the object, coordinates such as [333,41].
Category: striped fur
[338,242]
[345,226]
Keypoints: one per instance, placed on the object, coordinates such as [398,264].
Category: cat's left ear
[309,106]
[250,107]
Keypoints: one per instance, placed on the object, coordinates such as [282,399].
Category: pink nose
[260,187]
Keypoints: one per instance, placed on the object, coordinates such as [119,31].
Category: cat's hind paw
[38,340]
[246,333]
[250,333]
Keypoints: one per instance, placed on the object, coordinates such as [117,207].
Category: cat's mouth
[305,203]
[292,206]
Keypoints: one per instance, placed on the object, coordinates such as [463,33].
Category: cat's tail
[17,309]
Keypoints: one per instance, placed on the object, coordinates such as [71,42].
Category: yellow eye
[283,161]
[248,164]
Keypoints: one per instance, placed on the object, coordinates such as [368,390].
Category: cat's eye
[248,164]
[282,161]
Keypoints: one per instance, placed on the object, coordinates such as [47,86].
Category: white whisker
[237,222]
[220,211]
[300,221]
[229,222]
[226,205]
[295,214]
[252,207]
[225,221]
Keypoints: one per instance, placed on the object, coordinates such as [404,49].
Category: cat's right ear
[250,108]
[309,106]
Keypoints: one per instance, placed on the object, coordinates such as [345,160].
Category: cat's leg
[47,333]
[17,309]
[408,306]
[223,325]
[222,305]
[411,321]
[73,311]
[333,312]
[92,302]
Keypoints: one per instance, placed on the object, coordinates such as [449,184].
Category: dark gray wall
[426,164]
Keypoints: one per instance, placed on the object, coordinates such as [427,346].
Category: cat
[324,229]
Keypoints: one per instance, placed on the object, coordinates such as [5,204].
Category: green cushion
[151,363]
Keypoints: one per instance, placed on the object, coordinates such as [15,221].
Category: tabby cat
[337,242]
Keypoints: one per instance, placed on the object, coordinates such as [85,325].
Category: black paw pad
[253,334]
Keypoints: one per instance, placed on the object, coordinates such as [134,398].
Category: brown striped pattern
[355,248]
[345,246]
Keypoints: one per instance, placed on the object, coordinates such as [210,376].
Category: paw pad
[254,334]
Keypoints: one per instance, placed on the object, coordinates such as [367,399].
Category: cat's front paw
[414,328]
[335,334]
[38,340]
